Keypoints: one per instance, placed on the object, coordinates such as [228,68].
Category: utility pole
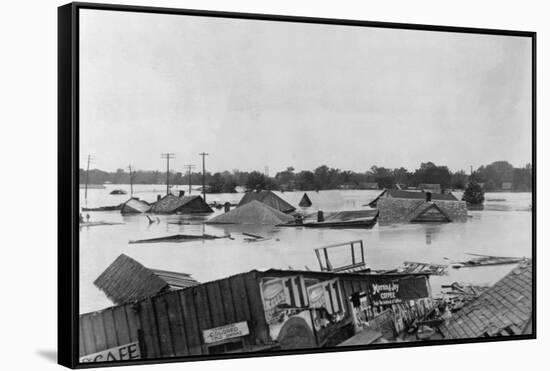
[203,154]
[87,179]
[189,167]
[168,156]
[131,181]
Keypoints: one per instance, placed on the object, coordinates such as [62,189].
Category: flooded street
[503,228]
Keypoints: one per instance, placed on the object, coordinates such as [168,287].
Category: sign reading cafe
[385,293]
[121,353]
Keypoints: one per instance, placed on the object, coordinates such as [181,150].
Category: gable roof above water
[171,204]
[269,198]
[253,212]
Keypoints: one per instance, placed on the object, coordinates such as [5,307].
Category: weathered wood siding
[171,324]
[106,329]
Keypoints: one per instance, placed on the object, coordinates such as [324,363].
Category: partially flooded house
[269,198]
[253,212]
[397,206]
[172,204]
[257,311]
[504,309]
[135,206]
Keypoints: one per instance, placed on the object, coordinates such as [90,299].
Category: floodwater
[503,228]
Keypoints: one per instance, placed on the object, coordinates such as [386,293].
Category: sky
[256,94]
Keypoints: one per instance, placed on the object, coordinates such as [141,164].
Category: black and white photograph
[268,186]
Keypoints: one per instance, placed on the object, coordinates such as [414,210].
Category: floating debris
[96,224]
[103,208]
[179,238]
[484,260]
[118,192]
[460,294]
[417,267]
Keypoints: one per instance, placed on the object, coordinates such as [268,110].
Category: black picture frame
[68,170]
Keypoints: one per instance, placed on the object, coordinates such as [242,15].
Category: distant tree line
[495,176]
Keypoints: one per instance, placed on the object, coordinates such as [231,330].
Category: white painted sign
[122,353]
[230,331]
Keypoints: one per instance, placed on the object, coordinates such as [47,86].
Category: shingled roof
[126,280]
[171,204]
[504,309]
[269,198]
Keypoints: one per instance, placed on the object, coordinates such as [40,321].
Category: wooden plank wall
[107,329]
[171,324]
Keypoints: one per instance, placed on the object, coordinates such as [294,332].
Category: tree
[429,173]
[459,180]
[473,194]
[259,181]
[305,181]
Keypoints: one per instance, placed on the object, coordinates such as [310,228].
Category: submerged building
[253,212]
[270,199]
[397,206]
[257,311]
[171,204]
[135,206]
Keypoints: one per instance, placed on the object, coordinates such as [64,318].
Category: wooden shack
[253,311]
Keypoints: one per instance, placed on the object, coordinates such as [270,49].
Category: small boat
[343,219]
[484,260]
[118,192]
[179,238]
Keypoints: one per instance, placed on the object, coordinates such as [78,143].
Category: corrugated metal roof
[506,308]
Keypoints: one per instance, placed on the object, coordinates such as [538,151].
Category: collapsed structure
[504,309]
[127,280]
[257,311]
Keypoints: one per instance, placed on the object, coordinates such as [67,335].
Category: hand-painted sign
[221,333]
[121,353]
[385,293]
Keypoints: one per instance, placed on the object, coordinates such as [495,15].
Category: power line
[203,154]
[167,156]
